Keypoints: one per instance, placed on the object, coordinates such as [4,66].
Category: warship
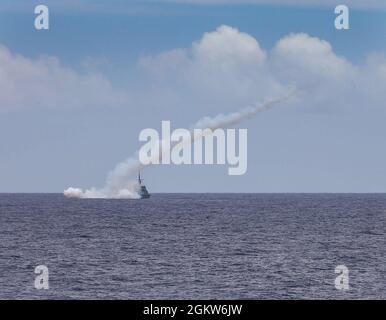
[142,191]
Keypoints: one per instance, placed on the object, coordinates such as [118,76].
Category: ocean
[194,246]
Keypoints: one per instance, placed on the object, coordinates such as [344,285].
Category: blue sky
[331,145]
[76,35]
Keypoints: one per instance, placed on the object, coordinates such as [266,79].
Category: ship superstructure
[144,194]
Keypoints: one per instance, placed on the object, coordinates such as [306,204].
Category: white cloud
[302,56]
[224,70]
[27,83]
[230,46]
[228,68]
[225,67]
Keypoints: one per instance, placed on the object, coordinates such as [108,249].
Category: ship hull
[144,194]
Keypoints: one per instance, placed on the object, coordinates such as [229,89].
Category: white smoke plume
[120,183]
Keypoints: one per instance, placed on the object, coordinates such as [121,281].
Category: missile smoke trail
[119,183]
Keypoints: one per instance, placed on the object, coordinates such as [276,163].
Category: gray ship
[143,193]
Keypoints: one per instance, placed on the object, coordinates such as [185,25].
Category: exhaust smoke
[120,183]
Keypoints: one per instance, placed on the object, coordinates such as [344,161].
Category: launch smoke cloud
[120,183]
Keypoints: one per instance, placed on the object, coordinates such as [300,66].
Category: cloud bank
[45,83]
[227,67]
[224,69]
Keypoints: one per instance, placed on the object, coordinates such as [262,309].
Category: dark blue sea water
[201,246]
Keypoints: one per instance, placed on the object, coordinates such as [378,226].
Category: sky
[74,98]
